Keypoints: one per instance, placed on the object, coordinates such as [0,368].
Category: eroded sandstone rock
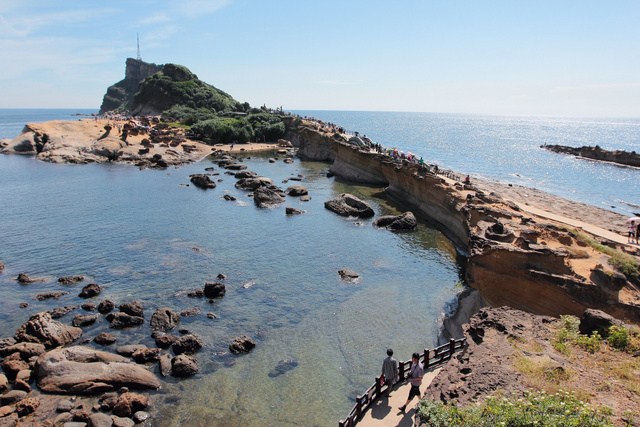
[82,370]
[41,328]
[349,205]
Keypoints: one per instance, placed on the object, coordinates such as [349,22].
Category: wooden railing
[429,359]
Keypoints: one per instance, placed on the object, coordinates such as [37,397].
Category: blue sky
[574,58]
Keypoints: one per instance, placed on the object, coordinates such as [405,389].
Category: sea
[149,235]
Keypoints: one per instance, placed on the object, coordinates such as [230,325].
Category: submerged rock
[283,367]
[70,280]
[164,319]
[296,190]
[91,290]
[346,274]
[202,180]
[268,196]
[242,344]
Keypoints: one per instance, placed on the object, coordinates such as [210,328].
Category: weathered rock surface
[132,308]
[145,355]
[105,338]
[188,344]
[124,320]
[264,197]
[84,320]
[23,279]
[41,328]
[293,211]
[70,280]
[596,321]
[166,341]
[58,312]
[405,222]
[346,274]
[202,180]
[349,205]
[129,403]
[283,367]
[252,183]
[106,306]
[487,364]
[26,350]
[82,370]
[242,344]
[214,289]
[296,190]
[50,295]
[184,366]
[90,291]
[128,350]
[596,153]
[164,319]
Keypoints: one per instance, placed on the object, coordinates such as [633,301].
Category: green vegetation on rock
[533,409]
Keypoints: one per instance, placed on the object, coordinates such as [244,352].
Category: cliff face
[119,97]
[511,258]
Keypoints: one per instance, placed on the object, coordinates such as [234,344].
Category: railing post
[426,358]
[401,374]
[359,407]
[452,347]
[378,387]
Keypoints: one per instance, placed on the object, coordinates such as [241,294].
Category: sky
[558,58]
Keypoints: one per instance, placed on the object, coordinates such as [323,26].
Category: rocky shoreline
[620,157]
[513,258]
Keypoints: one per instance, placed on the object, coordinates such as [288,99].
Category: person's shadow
[381,409]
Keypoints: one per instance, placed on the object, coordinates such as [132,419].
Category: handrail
[430,358]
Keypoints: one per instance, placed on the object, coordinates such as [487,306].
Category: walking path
[384,411]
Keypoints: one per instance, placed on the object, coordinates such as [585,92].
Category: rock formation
[596,153]
[512,258]
[119,97]
[349,205]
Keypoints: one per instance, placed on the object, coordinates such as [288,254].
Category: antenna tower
[139,56]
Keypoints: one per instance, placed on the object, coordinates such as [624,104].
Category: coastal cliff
[119,97]
[596,153]
[513,258]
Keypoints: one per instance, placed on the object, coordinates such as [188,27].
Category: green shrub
[624,263]
[590,344]
[225,130]
[618,337]
[533,409]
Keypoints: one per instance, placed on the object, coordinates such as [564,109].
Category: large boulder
[26,350]
[83,320]
[265,197]
[214,289]
[42,329]
[202,180]
[184,366]
[164,319]
[124,320]
[253,182]
[296,190]
[349,205]
[597,321]
[90,291]
[188,344]
[83,370]
[129,403]
[405,222]
[133,308]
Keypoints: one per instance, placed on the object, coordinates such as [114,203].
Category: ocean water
[150,236]
[507,149]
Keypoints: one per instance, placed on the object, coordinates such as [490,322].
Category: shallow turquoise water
[146,235]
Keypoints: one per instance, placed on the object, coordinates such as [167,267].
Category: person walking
[632,231]
[415,378]
[389,370]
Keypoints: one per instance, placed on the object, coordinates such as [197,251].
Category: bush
[225,130]
[618,337]
[590,344]
[534,409]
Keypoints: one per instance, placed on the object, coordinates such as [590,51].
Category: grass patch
[624,263]
[179,125]
[533,409]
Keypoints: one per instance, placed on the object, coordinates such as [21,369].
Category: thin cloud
[156,18]
[597,86]
[335,83]
[195,8]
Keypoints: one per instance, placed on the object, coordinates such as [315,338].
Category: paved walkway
[385,412]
